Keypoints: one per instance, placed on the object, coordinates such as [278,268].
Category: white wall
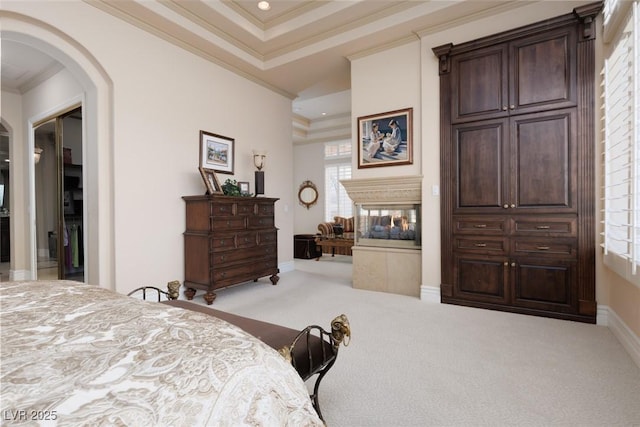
[383,82]
[162,97]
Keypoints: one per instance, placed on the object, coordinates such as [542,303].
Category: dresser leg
[209,297]
[189,293]
[274,279]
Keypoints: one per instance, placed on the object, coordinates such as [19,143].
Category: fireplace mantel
[404,189]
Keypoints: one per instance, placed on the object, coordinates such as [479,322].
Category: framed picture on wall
[385,139]
[217,152]
[210,181]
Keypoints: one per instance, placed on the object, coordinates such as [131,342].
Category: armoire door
[532,73]
[543,149]
[481,166]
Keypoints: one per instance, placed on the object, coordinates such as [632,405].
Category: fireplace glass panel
[386,225]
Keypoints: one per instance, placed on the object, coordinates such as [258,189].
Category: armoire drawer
[480,225]
[545,247]
[545,226]
[482,244]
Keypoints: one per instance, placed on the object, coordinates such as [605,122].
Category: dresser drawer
[261,222]
[225,208]
[251,270]
[545,247]
[268,237]
[544,226]
[245,208]
[224,223]
[223,242]
[480,225]
[482,244]
[251,254]
[264,209]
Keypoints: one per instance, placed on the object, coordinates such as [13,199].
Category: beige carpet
[413,363]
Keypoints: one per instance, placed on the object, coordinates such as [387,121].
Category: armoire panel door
[543,70]
[481,165]
[480,84]
[545,284]
[544,162]
[481,278]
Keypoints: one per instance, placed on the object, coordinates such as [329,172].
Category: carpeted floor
[414,363]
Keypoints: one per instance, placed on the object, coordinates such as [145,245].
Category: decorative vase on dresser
[228,240]
[517,169]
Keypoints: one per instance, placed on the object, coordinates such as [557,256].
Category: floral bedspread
[75,354]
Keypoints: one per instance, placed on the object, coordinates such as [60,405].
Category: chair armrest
[325,228]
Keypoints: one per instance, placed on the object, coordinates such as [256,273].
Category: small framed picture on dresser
[244,188]
[210,181]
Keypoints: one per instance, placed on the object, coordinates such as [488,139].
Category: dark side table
[304,246]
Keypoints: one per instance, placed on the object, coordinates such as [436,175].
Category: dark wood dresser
[228,240]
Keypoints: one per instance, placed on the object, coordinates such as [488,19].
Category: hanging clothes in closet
[74,256]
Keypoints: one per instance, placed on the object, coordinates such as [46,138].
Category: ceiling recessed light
[264,5]
[324,114]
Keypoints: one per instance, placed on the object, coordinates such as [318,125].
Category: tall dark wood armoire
[517,169]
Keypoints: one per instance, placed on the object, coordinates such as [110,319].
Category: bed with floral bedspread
[76,354]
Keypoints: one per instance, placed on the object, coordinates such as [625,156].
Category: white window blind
[621,207]
[337,167]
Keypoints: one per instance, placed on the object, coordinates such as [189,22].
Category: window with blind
[337,158]
[621,105]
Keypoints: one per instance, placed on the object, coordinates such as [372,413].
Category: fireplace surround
[387,253]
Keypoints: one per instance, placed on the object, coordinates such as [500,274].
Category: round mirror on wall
[308,194]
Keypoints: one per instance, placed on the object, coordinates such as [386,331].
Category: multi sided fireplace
[387,248]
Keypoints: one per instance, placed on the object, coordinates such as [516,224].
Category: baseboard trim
[622,332]
[430,293]
[602,315]
[15,275]
[286,267]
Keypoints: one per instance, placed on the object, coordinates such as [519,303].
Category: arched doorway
[96,97]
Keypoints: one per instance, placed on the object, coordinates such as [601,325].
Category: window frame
[338,154]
